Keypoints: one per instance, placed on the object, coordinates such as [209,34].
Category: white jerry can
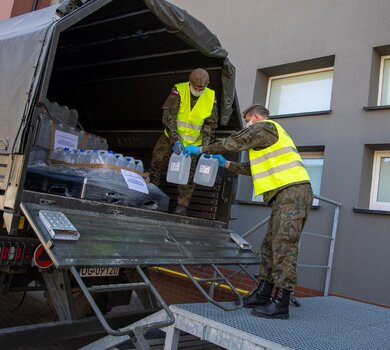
[206,170]
[179,169]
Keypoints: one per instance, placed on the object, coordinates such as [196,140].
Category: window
[380,187]
[302,92]
[384,82]
[314,162]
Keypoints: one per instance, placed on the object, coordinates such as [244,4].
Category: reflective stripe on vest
[190,121]
[277,165]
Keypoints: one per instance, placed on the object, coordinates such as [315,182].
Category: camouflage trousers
[160,158]
[279,249]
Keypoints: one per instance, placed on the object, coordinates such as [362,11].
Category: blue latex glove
[222,161]
[177,147]
[191,149]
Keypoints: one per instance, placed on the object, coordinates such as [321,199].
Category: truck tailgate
[108,239]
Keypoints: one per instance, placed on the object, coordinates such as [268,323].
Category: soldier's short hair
[256,108]
[199,78]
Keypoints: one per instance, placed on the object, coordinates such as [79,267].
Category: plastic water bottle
[73,156]
[79,152]
[84,156]
[130,163]
[67,158]
[206,170]
[81,139]
[179,169]
[110,158]
[100,143]
[90,141]
[139,166]
[120,161]
[57,154]
[44,133]
[96,157]
[38,155]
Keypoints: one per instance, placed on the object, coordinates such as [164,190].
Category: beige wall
[5,8]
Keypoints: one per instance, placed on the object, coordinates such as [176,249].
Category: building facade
[322,68]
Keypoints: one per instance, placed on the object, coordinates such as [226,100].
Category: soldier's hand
[191,149]
[222,161]
[177,147]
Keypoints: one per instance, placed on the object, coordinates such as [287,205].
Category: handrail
[236,306]
[139,331]
[332,238]
[183,275]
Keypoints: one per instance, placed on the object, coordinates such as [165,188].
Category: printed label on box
[65,140]
[134,181]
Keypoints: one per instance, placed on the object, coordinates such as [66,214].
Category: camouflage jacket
[258,136]
[171,108]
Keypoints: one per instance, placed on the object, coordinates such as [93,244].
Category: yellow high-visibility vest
[190,121]
[278,165]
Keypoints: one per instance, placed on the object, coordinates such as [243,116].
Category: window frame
[289,75]
[381,76]
[304,155]
[374,204]
[315,155]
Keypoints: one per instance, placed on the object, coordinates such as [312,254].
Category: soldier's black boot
[180,210]
[277,307]
[260,296]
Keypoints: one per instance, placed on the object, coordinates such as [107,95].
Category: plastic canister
[109,158]
[96,157]
[179,169]
[120,160]
[100,143]
[139,166]
[38,154]
[84,156]
[130,163]
[81,143]
[206,170]
[57,154]
[73,154]
[44,132]
[67,157]
[90,141]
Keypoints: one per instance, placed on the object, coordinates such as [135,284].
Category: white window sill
[376,108]
[371,211]
[304,114]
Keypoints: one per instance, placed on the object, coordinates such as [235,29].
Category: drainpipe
[35,5]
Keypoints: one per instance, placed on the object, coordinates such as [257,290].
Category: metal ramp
[321,323]
[129,239]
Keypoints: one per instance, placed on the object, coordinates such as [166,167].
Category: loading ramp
[321,323]
[128,238]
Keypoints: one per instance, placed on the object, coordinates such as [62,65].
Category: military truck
[109,65]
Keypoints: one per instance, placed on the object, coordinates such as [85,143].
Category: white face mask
[249,123]
[196,93]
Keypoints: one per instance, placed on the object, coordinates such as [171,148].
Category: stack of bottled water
[90,156]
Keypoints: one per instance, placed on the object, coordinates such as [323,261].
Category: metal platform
[133,240]
[321,323]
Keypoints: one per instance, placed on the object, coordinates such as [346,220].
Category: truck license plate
[99,271]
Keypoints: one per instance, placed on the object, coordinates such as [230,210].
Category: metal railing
[332,239]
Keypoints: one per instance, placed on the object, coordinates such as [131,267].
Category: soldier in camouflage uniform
[291,203]
[172,140]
